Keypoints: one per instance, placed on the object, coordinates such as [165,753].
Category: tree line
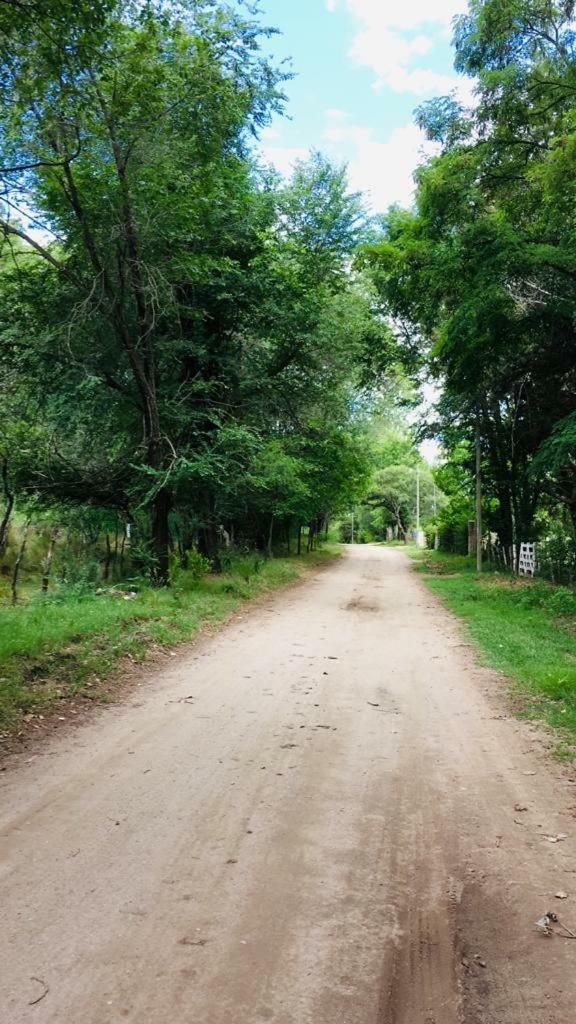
[194,350]
[480,276]
[184,350]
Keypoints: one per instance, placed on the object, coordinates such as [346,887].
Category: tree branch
[9,229]
[34,165]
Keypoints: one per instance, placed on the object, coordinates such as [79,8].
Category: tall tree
[483,272]
[122,130]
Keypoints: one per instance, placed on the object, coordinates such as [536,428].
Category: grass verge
[69,644]
[524,628]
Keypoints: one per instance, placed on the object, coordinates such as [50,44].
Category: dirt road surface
[309,820]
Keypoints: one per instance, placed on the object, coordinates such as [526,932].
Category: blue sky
[361,67]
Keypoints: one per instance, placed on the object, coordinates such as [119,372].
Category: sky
[361,67]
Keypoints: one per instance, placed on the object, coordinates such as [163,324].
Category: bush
[185,579]
[247,566]
[430,535]
[453,525]
[197,565]
[537,594]
[82,575]
[563,601]
[557,559]
[454,537]
[345,532]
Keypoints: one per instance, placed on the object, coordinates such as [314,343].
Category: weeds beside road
[68,644]
[525,628]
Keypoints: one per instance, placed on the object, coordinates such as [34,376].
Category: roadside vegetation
[74,642]
[480,278]
[522,627]
[188,364]
[186,360]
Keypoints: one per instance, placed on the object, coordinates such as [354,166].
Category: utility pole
[418,500]
[478,495]
[434,512]
[420,539]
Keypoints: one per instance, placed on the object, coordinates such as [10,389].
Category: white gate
[527,563]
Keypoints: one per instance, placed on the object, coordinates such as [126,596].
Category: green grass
[70,643]
[524,628]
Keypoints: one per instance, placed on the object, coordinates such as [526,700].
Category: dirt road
[309,821]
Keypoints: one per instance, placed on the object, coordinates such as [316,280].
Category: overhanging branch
[9,229]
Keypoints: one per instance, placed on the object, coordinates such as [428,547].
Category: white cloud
[283,158]
[382,170]
[423,82]
[385,42]
[386,14]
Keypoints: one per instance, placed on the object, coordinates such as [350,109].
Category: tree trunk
[401,530]
[107,559]
[9,499]
[208,546]
[182,554]
[186,540]
[116,550]
[122,546]
[299,545]
[493,431]
[161,538]
[270,535]
[49,556]
[479,484]
[18,562]
[571,507]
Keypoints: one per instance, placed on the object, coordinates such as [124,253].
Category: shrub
[557,559]
[197,565]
